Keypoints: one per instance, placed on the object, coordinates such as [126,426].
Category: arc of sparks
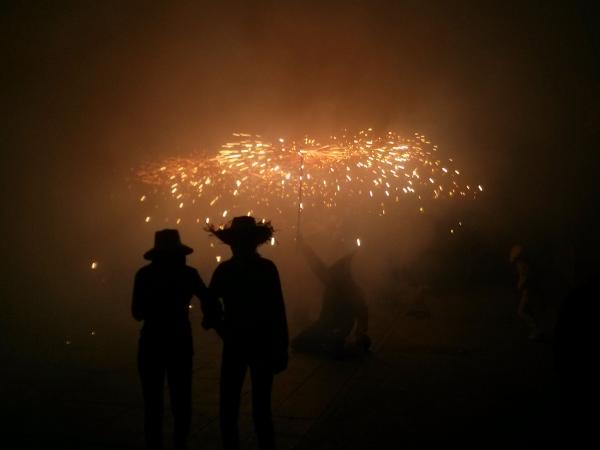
[377,169]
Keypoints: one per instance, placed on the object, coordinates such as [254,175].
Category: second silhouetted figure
[254,327]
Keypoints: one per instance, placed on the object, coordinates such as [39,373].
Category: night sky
[91,90]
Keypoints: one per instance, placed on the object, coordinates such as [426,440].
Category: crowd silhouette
[243,304]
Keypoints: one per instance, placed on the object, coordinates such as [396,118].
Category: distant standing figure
[343,310]
[161,298]
[254,328]
[530,307]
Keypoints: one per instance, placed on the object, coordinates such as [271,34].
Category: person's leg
[179,373]
[233,371]
[262,385]
[152,377]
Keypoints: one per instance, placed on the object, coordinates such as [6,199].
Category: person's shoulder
[190,270]
[267,263]
[224,266]
[226,263]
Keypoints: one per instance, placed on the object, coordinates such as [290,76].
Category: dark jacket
[253,309]
[161,298]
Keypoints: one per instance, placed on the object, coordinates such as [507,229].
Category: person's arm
[523,308]
[212,313]
[523,288]
[138,302]
[280,331]
[214,294]
[523,274]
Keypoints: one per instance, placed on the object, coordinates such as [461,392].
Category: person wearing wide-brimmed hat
[162,293]
[254,327]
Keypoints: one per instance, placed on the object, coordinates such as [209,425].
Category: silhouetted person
[161,298]
[343,309]
[254,328]
[531,307]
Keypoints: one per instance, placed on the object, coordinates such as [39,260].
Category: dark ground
[468,373]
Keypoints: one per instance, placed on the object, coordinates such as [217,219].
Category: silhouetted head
[516,253]
[243,234]
[167,247]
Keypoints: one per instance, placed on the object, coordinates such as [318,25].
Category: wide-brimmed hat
[167,242]
[243,230]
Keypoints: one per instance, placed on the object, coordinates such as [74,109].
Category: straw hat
[243,230]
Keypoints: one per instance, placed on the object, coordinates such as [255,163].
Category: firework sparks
[365,169]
